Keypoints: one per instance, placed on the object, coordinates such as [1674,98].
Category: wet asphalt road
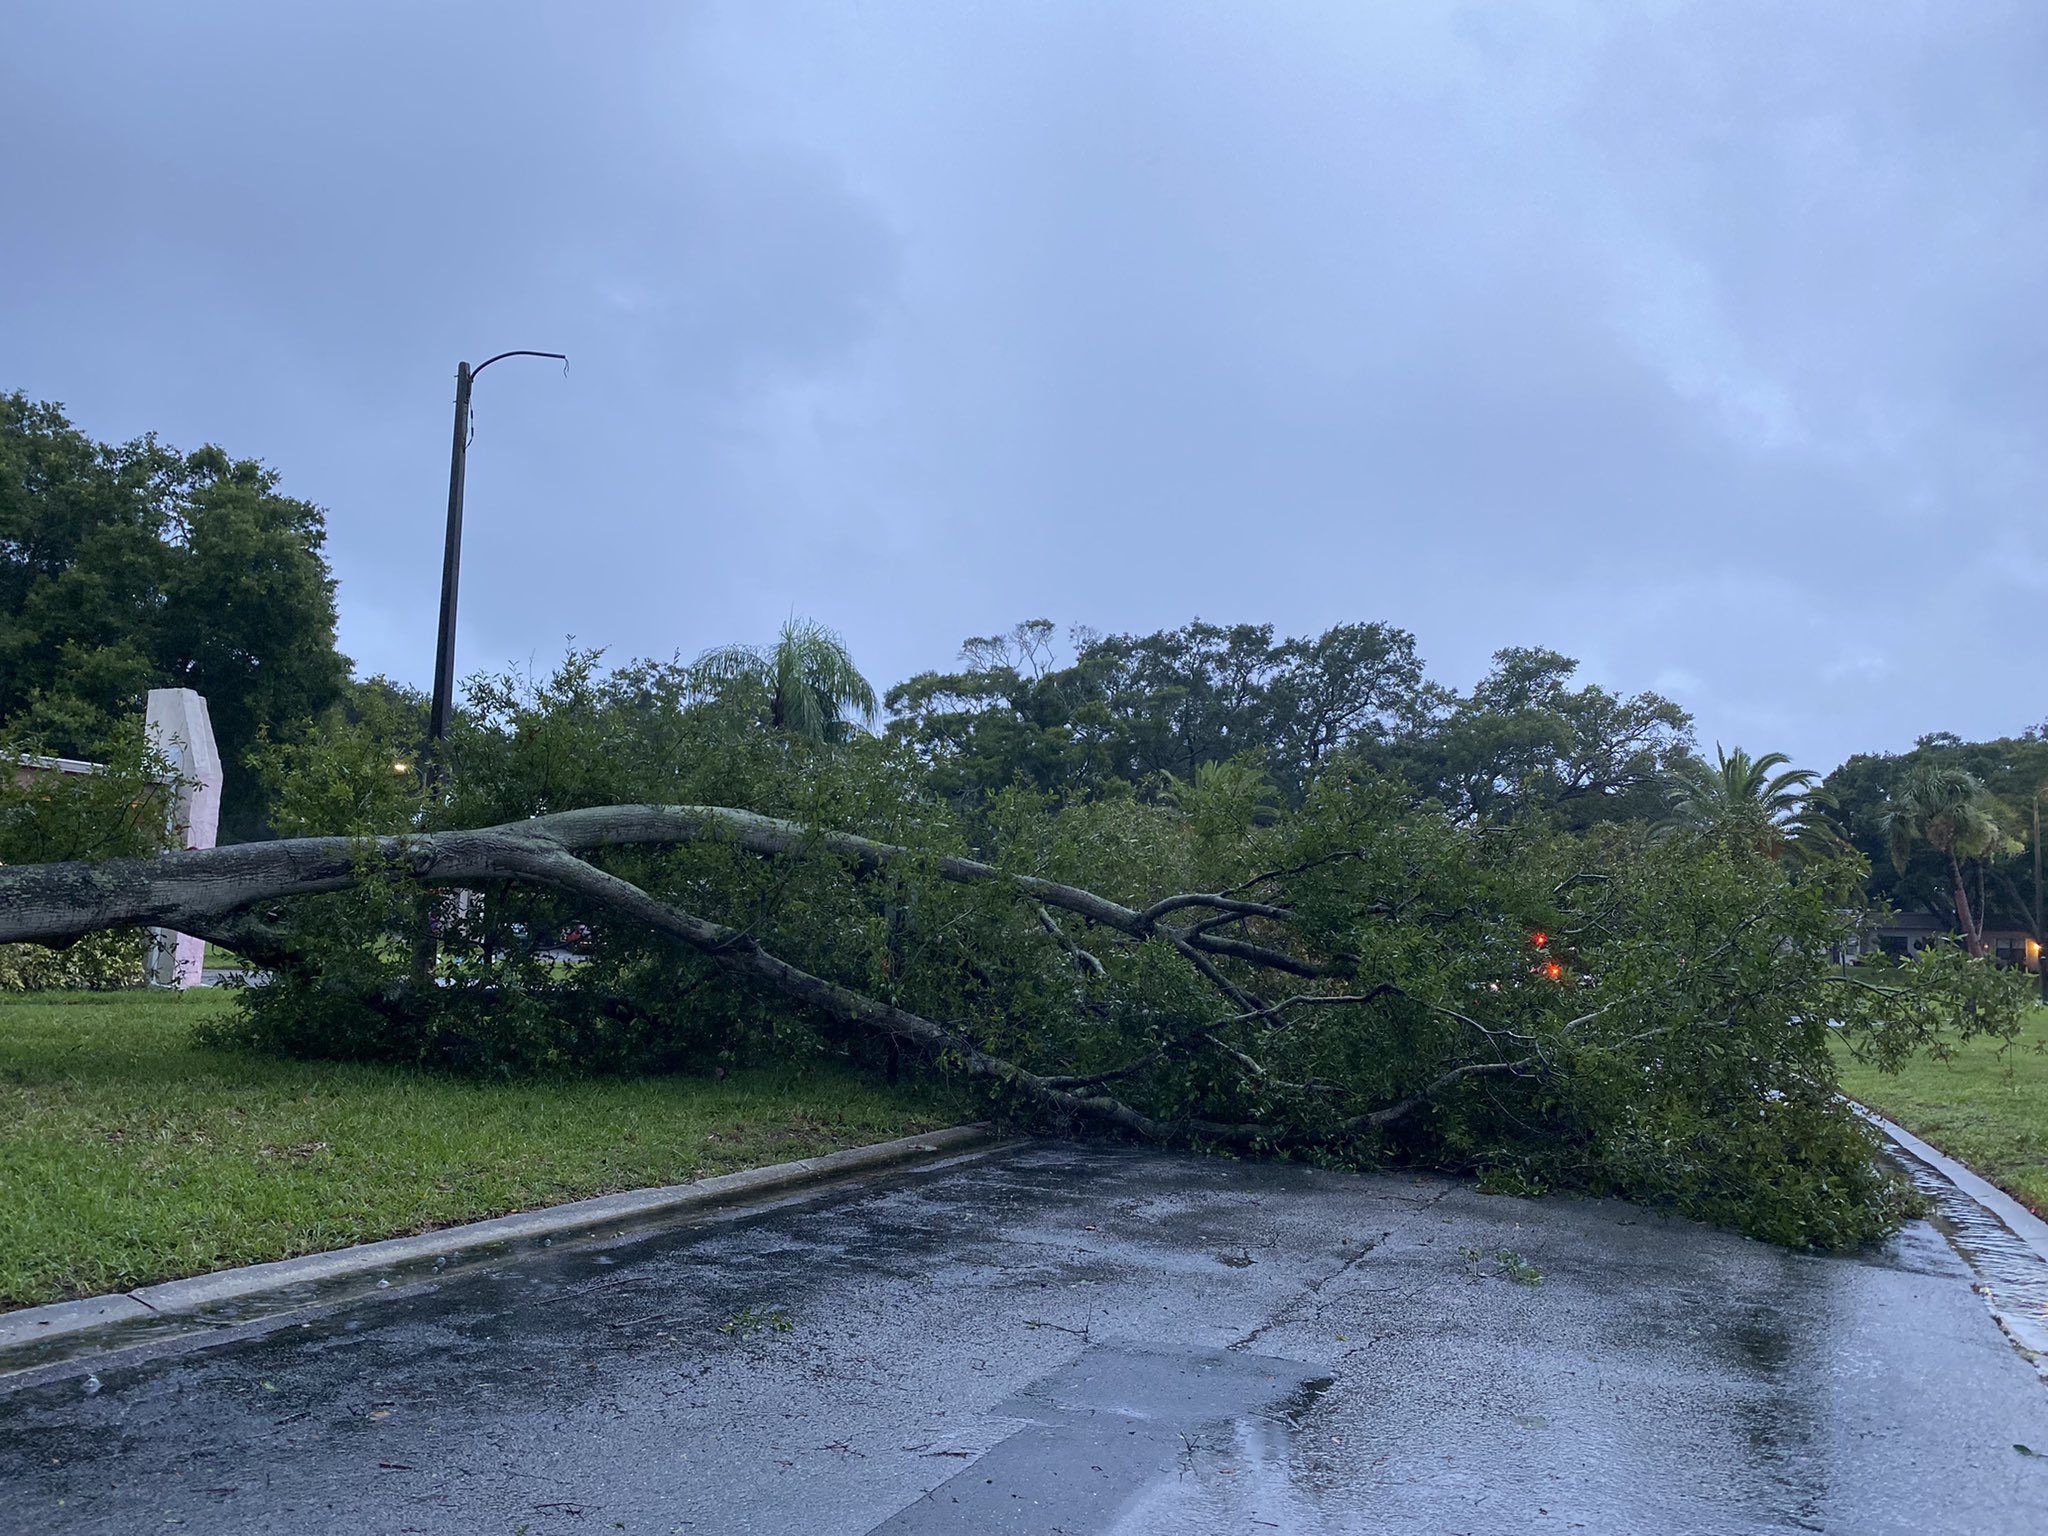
[1086,1340]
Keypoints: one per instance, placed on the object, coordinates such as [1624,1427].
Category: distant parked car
[576,936]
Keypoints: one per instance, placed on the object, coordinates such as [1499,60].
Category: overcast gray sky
[1705,342]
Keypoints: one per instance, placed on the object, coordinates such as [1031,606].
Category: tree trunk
[1973,930]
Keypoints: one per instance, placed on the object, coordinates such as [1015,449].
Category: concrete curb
[36,1336]
[2016,1218]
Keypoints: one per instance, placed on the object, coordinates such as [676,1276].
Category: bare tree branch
[1401,1108]
[1313,1000]
[1298,869]
[1229,904]
[1080,956]
[1214,977]
[1204,1031]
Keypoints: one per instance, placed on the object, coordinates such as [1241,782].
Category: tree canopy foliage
[1361,970]
[1128,714]
[358,766]
[134,566]
[1971,863]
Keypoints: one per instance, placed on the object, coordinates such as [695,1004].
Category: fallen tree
[1644,1017]
[222,894]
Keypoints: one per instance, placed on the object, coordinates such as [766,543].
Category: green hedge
[105,962]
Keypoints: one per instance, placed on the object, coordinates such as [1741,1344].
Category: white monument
[180,728]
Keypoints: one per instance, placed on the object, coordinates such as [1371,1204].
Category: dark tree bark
[1973,925]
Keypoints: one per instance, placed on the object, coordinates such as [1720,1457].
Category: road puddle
[1116,1435]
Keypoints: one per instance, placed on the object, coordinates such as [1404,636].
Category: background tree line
[1141,715]
[1949,827]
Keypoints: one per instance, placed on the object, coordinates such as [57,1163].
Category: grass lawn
[130,1155]
[1984,1108]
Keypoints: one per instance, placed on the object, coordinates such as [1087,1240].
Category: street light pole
[451,556]
[451,564]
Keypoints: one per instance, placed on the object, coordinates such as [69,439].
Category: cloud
[1698,340]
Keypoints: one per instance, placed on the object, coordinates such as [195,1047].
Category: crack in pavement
[1312,1289]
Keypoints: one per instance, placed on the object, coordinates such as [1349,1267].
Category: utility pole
[451,558]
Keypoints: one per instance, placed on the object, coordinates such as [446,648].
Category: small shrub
[103,962]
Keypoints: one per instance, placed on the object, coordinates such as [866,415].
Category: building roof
[37,760]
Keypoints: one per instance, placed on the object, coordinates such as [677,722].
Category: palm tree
[1948,809]
[812,684]
[1742,794]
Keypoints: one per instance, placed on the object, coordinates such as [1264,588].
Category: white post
[180,728]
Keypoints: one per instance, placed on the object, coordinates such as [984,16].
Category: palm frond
[812,684]
[727,662]
[1762,798]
